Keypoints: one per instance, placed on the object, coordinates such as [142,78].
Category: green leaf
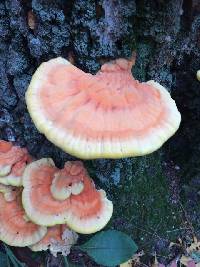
[66,264]
[110,248]
[12,258]
[3,260]
[8,261]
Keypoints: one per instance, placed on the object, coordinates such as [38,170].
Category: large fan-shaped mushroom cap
[15,228]
[85,211]
[59,239]
[107,115]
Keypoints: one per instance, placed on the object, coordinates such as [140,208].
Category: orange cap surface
[15,228]
[13,160]
[68,181]
[107,115]
[5,146]
[86,212]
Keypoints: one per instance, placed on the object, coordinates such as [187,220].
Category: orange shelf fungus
[13,160]
[83,208]
[59,239]
[107,115]
[8,156]
[68,181]
[15,228]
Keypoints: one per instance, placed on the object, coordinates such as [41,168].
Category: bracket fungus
[84,209]
[58,239]
[107,115]
[13,160]
[68,181]
[9,155]
[15,228]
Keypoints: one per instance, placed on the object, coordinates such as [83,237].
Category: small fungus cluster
[107,115]
[42,206]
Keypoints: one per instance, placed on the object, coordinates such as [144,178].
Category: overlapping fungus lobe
[13,160]
[41,181]
[68,181]
[15,228]
[79,204]
[5,146]
[9,155]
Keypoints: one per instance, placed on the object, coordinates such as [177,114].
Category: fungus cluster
[42,206]
[107,115]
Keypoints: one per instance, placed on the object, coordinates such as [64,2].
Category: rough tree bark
[166,36]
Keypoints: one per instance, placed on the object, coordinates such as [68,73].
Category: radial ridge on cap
[107,115]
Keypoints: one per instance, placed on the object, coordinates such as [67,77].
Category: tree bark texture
[166,36]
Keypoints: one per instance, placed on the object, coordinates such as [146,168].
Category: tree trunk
[166,37]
